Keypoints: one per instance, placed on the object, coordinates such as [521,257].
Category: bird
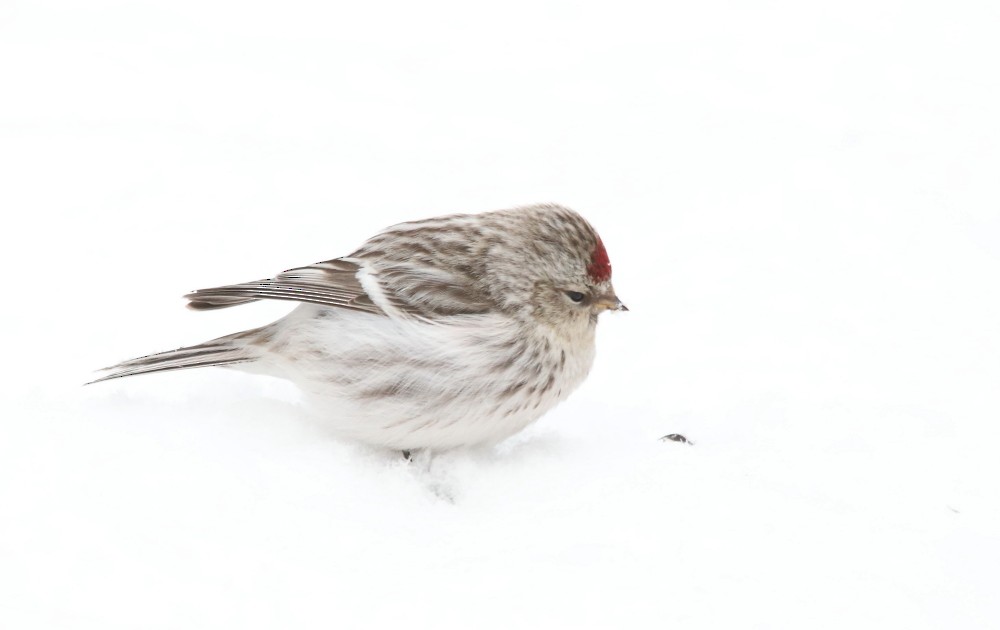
[454,331]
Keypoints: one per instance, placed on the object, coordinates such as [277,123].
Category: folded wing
[403,287]
[330,283]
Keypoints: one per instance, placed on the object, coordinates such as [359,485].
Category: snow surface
[801,205]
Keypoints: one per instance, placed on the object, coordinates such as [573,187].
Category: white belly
[411,384]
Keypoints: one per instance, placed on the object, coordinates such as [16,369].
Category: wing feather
[330,283]
[406,288]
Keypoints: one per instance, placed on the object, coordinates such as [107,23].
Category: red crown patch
[599,268]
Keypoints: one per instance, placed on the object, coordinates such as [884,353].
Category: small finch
[452,331]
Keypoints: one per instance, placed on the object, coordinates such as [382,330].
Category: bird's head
[555,265]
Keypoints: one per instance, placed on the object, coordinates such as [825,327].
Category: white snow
[802,210]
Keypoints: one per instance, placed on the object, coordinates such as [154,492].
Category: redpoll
[453,331]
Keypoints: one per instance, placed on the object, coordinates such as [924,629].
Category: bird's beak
[611,303]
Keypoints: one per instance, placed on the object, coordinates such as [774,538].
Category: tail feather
[229,350]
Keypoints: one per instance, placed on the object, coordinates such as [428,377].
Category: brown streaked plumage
[445,332]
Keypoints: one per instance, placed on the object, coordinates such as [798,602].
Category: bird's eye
[576,296]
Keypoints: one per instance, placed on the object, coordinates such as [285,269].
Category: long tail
[228,350]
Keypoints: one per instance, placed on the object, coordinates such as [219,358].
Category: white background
[801,206]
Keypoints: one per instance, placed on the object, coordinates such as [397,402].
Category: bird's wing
[427,291]
[330,283]
[395,287]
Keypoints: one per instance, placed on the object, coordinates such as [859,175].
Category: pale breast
[410,385]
